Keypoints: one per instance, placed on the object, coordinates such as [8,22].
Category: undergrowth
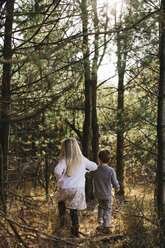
[33,222]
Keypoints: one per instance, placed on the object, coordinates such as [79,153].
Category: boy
[104,178]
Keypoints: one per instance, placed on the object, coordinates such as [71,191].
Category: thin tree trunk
[121,65]
[87,128]
[120,138]
[161,124]
[95,128]
[5,99]
[46,177]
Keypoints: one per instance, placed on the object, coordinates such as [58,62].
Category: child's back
[104,178]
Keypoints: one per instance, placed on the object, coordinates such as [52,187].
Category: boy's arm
[115,182]
[89,174]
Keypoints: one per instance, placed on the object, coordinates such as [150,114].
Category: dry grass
[134,218]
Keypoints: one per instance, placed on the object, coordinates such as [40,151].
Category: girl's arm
[60,169]
[92,166]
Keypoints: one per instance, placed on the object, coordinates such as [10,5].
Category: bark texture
[161,124]
[5,100]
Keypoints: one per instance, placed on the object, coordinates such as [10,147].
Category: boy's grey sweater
[104,178]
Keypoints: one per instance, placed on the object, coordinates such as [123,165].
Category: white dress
[71,190]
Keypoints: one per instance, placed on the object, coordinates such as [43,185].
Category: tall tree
[121,66]
[92,58]
[5,99]
[124,42]
[161,124]
[94,80]
[95,64]
[87,129]
[93,54]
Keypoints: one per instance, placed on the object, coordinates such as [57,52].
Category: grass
[134,223]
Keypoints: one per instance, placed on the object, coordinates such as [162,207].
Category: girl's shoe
[75,231]
[62,213]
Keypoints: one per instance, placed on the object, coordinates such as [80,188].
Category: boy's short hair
[104,155]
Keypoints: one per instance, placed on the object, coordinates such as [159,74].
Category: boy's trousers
[104,212]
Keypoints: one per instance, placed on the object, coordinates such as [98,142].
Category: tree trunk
[120,138]
[95,128]
[87,128]
[5,100]
[46,177]
[161,124]
[121,65]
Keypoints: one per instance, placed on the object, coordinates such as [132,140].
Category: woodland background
[53,86]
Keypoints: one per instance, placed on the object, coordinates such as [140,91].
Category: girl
[70,173]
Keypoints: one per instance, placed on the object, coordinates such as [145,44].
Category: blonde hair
[71,153]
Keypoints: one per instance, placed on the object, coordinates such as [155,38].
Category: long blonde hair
[71,153]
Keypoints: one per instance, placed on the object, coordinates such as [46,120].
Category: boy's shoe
[99,228]
[106,230]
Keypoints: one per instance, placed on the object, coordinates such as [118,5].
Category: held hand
[57,176]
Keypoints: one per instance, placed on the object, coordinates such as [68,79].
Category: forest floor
[33,222]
